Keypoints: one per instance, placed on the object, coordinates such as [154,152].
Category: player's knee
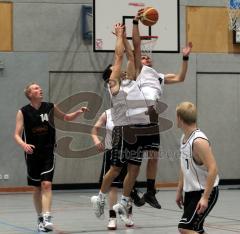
[133,170]
[152,160]
[115,171]
[134,174]
[183,231]
[46,185]
[153,156]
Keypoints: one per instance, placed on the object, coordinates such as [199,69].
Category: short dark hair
[107,73]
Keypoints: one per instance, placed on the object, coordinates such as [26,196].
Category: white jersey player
[198,174]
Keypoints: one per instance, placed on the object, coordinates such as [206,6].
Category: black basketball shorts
[151,138]
[118,181]
[127,145]
[191,220]
[40,166]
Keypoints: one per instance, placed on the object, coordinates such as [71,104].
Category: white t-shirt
[151,84]
[194,175]
[129,105]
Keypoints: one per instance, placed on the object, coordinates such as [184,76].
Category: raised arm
[131,71]
[180,77]
[137,42]
[114,80]
[70,116]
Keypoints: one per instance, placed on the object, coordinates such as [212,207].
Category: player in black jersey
[35,133]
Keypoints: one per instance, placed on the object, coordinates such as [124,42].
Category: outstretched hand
[187,50]
[124,33]
[119,29]
[84,109]
[139,14]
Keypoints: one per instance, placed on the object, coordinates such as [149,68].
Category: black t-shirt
[39,129]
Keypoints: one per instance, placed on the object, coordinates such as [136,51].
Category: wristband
[185,58]
[135,22]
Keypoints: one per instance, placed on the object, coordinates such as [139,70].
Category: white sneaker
[130,223]
[40,225]
[112,224]
[122,212]
[47,224]
[98,206]
[130,217]
[41,228]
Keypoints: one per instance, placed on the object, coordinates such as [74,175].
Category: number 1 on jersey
[187,163]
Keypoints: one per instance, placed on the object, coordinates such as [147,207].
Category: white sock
[124,200]
[102,195]
[46,214]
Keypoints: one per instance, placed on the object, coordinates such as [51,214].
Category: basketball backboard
[109,12]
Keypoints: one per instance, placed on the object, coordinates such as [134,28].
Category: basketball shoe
[150,198]
[98,206]
[112,222]
[47,222]
[136,199]
[122,211]
[40,225]
[130,217]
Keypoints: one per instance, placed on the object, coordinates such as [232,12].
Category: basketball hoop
[233,7]
[147,44]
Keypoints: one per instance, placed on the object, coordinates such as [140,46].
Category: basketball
[149,16]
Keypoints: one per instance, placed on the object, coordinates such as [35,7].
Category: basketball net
[233,7]
[147,44]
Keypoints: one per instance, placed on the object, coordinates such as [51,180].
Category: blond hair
[187,112]
[27,89]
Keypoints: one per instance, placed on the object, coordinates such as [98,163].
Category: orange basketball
[149,16]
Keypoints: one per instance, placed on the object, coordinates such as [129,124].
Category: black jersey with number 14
[39,127]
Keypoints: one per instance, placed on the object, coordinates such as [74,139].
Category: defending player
[198,174]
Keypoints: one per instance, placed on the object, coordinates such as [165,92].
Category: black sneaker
[150,198]
[136,199]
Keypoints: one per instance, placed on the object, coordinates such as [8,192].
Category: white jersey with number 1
[194,175]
